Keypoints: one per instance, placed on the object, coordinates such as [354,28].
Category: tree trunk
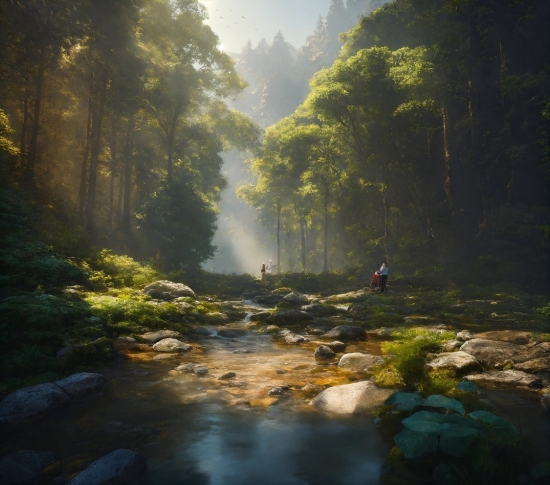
[447,156]
[95,149]
[303,236]
[23,142]
[170,136]
[126,222]
[278,238]
[84,169]
[113,167]
[325,253]
[33,143]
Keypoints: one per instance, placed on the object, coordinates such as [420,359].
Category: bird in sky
[242,16]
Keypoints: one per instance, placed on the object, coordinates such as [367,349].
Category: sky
[236,21]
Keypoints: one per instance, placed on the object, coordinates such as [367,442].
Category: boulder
[267,299]
[464,336]
[451,345]
[186,367]
[227,375]
[457,361]
[200,370]
[32,401]
[276,391]
[495,422]
[467,386]
[346,332]
[437,401]
[358,362]
[82,385]
[416,445]
[25,467]
[492,352]
[323,352]
[215,318]
[285,317]
[167,290]
[353,398]
[260,317]
[318,329]
[123,467]
[321,310]
[295,298]
[154,337]
[171,345]
[294,338]
[336,346]
[536,365]
[404,401]
[511,336]
[510,377]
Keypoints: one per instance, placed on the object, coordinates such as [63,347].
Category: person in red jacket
[383,272]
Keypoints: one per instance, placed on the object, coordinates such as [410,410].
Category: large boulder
[495,422]
[536,365]
[154,337]
[288,317]
[448,403]
[358,362]
[457,361]
[323,352]
[121,467]
[415,445]
[351,398]
[31,402]
[171,345]
[346,332]
[295,298]
[167,290]
[493,352]
[510,377]
[25,467]
[404,401]
[82,385]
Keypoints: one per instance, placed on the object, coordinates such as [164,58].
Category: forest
[135,151]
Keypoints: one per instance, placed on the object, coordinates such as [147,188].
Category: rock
[295,298]
[437,401]
[294,338]
[456,361]
[541,472]
[231,333]
[346,332]
[318,329]
[186,367]
[166,356]
[82,385]
[183,306]
[123,467]
[267,299]
[336,346]
[491,352]
[323,352]
[276,391]
[284,317]
[32,401]
[545,402]
[404,401]
[443,474]
[358,362]
[167,290]
[451,345]
[171,345]
[311,388]
[227,375]
[260,317]
[382,332]
[25,467]
[280,371]
[495,422]
[321,310]
[464,336]
[511,336]
[215,318]
[536,365]
[202,332]
[507,377]
[416,445]
[154,337]
[430,422]
[200,370]
[350,398]
[467,386]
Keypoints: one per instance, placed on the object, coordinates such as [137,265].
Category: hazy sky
[296,19]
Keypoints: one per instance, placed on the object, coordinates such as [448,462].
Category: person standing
[383,272]
[269,266]
[262,271]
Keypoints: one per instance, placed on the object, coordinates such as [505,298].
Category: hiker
[270,266]
[263,270]
[383,272]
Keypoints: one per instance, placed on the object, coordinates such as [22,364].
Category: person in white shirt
[269,267]
[383,272]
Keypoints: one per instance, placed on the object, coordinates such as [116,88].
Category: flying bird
[242,16]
